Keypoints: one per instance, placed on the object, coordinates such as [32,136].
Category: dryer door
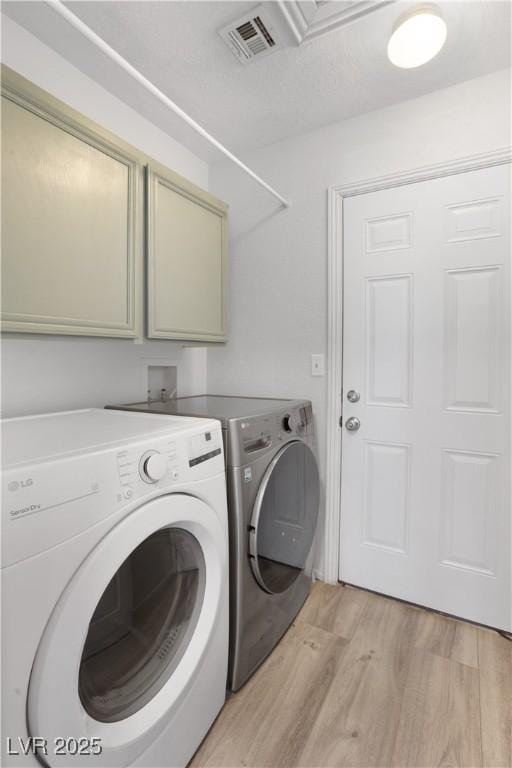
[129,632]
[284,518]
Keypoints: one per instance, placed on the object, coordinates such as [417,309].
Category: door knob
[353,396]
[352,424]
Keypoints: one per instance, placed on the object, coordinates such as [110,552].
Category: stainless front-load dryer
[273,499]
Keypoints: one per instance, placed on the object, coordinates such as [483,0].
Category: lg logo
[14,485]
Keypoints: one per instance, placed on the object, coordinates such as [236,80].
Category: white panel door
[425,508]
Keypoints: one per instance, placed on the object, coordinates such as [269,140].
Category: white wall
[45,373]
[53,373]
[278,293]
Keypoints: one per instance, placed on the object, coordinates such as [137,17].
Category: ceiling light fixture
[417,37]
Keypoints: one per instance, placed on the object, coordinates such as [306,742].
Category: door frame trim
[336,196]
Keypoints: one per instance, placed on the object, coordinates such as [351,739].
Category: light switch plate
[318,365]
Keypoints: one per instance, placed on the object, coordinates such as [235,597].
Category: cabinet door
[187,261]
[68,216]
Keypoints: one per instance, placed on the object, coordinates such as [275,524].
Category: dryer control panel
[169,461]
[48,502]
[204,447]
[159,463]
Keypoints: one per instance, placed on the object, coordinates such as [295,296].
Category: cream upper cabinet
[69,202]
[78,222]
[186,260]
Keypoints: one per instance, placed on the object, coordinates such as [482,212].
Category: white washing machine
[115,588]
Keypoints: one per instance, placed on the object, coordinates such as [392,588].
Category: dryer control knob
[155,467]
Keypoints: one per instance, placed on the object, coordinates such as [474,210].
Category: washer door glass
[142,625]
[284,518]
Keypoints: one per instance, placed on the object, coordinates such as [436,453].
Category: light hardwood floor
[363,680]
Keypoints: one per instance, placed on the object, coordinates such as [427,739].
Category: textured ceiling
[326,79]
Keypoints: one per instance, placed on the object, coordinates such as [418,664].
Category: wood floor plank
[403,692]
[443,636]
[495,665]
[334,608]
[440,717]
[268,721]
[357,724]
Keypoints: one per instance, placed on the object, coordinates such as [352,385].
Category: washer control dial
[287,423]
[153,466]
[293,422]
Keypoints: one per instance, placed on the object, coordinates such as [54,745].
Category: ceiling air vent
[251,36]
